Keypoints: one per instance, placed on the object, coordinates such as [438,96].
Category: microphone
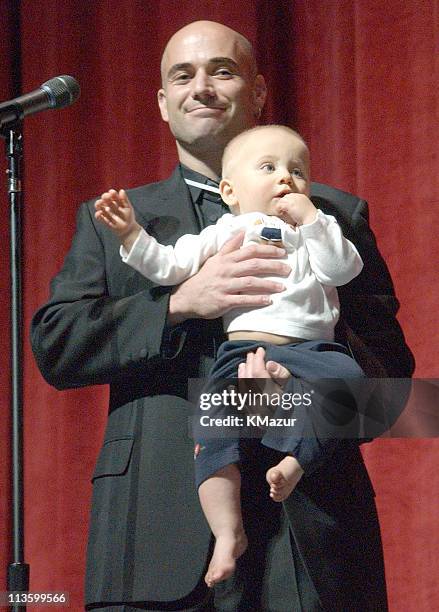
[56,93]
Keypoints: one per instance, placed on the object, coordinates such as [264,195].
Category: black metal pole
[18,570]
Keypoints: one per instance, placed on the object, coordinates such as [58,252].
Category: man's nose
[202,86]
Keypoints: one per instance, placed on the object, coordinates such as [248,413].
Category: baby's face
[266,166]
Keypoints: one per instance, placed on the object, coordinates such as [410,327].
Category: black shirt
[208,206]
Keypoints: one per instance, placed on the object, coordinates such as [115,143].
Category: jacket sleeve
[369,326]
[369,309]
[87,334]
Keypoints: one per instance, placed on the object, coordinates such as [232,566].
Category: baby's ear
[228,195]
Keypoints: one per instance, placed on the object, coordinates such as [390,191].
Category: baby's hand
[114,210]
[296,209]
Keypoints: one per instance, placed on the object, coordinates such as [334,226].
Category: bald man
[148,543]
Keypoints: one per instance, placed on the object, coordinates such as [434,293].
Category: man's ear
[259,94]
[228,195]
[163,104]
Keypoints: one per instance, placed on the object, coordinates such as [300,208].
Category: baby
[266,184]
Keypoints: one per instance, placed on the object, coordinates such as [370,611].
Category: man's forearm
[85,335]
[176,311]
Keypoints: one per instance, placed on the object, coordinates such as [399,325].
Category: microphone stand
[18,570]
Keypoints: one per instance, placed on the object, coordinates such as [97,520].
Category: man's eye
[223,72]
[181,77]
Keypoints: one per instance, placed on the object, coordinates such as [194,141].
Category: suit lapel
[167,213]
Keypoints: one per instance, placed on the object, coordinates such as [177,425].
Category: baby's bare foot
[227,549]
[283,478]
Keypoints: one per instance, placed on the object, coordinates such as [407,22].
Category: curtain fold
[359,80]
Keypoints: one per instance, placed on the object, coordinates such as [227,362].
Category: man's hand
[230,279]
[296,209]
[266,379]
[114,210]
[256,367]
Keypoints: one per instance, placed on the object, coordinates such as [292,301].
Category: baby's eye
[267,167]
[298,172]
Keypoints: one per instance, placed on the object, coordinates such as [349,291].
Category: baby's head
[261,165]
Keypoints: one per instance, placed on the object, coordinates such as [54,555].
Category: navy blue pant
[324,409]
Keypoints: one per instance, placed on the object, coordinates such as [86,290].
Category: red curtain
[360,81]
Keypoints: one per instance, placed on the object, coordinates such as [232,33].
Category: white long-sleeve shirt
[321,259]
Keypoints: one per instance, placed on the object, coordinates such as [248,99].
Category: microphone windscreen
[62,90]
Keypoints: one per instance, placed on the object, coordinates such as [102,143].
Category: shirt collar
[192,175]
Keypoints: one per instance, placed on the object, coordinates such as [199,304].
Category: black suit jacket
[106,324]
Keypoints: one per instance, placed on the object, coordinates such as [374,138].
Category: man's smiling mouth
[206,109]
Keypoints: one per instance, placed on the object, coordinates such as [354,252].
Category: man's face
[210,91]
[266,166]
